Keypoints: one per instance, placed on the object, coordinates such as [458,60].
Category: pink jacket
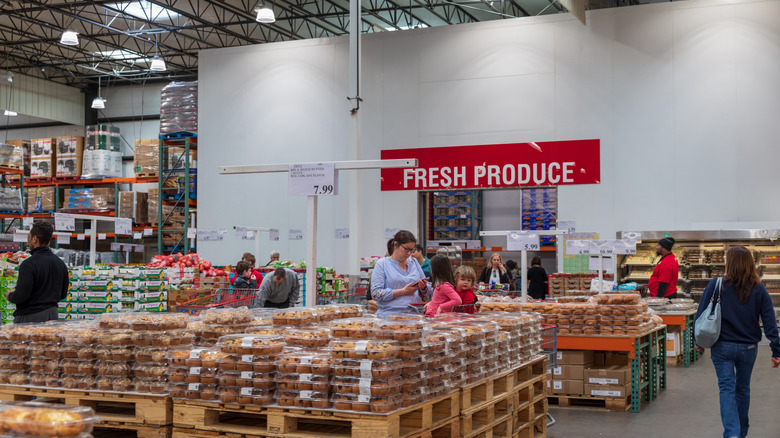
[444,297]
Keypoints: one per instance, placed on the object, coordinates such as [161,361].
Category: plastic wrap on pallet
[41,199]
[91,199]
[103,137]
[98,164]
[179,107]
[147,155]
[10,199]
[11,156]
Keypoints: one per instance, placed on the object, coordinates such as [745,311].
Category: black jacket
[244,283]
[485,276]
[43,282]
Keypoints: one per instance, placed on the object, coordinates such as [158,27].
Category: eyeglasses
[408,250]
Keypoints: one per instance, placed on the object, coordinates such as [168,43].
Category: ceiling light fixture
[265,15]
[99,102]
[69,38]
[158,64]
[10,113]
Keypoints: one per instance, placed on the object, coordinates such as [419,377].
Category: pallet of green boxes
[7,284]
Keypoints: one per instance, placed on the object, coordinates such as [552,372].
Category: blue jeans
[729,357]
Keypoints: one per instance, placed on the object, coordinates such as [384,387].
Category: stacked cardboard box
[585,373]
[25,145]
[146,159]
[41,199]
[70,153]
[103,138]
[567,377]
[102,199]
[134,205]
[102,156]
[42,158]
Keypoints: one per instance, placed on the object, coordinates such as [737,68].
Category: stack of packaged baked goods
[79,356]
[623,314]
[35,419]
[362,376]
[155,336]
[304,377]
[194,373]
[45,354]
[248,372]
[222,322]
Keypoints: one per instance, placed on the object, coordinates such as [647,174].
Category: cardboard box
[568,387]
[70,155]
[42,148]
[607,391]
[42,167]
[607,358]
[568,372]
[611,375]
[93,199]
[103,137]
[134,205]
[673,347]
[25,145]
[146,158]
[574,357]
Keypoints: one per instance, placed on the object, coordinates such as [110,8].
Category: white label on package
[318,179]
[306,360]
[247,342]
[247,358]
[195,371]
[64,222]
[246,374]
[363,398]
[360,346]
[557,384]
[246,391]
[365,368]
[194,386]
[305,378]
[522,241]
[365,386]
[606,393]
[195,354]
[306,394]
[602,381]
[577,247]
[123,226]
[558,371]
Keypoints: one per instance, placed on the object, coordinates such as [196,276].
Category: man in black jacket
[43,279]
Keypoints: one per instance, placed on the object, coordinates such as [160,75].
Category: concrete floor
[688,407]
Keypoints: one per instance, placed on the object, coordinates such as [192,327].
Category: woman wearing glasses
[398,280]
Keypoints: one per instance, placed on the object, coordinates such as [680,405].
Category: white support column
[524,275]
[311,253]
[93,243]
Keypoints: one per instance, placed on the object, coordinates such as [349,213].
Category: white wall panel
[682,95]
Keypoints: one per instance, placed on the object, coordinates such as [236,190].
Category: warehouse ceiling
[117,40]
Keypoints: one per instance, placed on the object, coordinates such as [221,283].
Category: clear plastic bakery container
[151,386]
[266,330]
[151,355]
[412,364]
[116,338]
[303,382]
[399,330]
[19,378]
[357,385]
[164,339]
[363,349]
[368,368]
[308,337]
[260,345]
[45,379]
[195,357]
[248,362]
[115,321]
[247,396]
[149,371]
[366,403]
[193,391]
[114,354]
[353,328]
[349,310]
[114,369]
[36,419]
[305,362]
[44,365]
[50,351]
[158,321]
[303,399]
[297,316]
[227,316]
[249,379]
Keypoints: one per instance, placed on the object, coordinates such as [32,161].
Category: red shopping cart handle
[417,304]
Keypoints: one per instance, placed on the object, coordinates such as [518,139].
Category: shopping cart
[466,308]
[221,298]
[549,345]
[418,308]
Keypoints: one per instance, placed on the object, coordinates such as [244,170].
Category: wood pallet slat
[534,429]
[601,403]
[114,430]
[533,371]
[476,420]
[486,391]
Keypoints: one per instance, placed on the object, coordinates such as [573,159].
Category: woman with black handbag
[742,300]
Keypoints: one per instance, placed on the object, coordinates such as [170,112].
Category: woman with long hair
[537,279]
[744,300]
[495,271]
[398,280]
[443,278]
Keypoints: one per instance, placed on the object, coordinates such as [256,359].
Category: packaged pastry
[312,337]
[246,395]
[412,364]
[43,365]
[151,355]
[328,313]
[364,349]
[358,385]
[50,351]
[248,362]
[149,371]
[114,354]
[119,384]
[114,369]
[227,316]
[305,362]
[296,316]
[399,330]
[164,338]
[19,378]
[193,391]
[248,379]
[348,310]
[151,386]
[196,357]
[354,328]
[44,419]
[303,399]
[5,348]
[45,379]
[303,382]
[266,330]
[86,352]
[158,321]
[368,368]
[366,403]
[19,332]
[214,332]
[116,338]
[631,299]
[47,333]
[78,367]
[261,345]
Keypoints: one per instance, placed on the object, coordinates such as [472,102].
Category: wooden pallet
[147,175]
[531,372]
[258,421]
[476,420]
[498,429]
[534,429]
[486,391]
[599,403]
[130,409]
[522,415]
[116,430]
[539,405]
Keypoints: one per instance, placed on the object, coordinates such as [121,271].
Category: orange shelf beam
[675,320]
[598,343]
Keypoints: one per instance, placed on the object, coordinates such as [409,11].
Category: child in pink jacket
[444,296]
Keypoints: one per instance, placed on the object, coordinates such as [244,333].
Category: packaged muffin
[158,321]
[49,351]
[368,368]
[303,382]
[297,316]
[312,337]
[366,403]
[45,419]
[114,369]
[349,310]
[364,349]
[303,399]
[248,362]
[193,391]
[114,354]
[151,386]
[353,328]
[149,371]
[164,339]
[399,330]
[305,362]
[246,395]
[261,345]
[151,355]
[357,385]
[196,357]
[227,316]
[248,379]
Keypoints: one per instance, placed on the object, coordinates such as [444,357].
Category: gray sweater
[269,291]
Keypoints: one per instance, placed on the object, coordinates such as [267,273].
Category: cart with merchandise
[220,299]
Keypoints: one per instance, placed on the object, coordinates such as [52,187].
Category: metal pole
[601,273]
[93,243]
[355,139]
[524,275]
[310,299]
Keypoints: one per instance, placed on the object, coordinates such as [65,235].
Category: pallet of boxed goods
[257,421]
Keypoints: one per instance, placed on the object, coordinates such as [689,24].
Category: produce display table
[646,351]
[685,321]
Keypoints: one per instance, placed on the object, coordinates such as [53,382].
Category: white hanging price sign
[116,246]
[64,222]
[578,247]
[148,231]
[273,234]
[20,237]
[63,239]
[192,233]
[627,247]
[605,265]
[295,235]
[137,236]
[317,179]
[81,236]
[101,236]
[27,222]
[631,235]
[569,226]
[123,226]
[602,247]
[522,241]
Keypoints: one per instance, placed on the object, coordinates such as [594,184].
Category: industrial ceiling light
[158,64]
[99,102]
[10,113]
[265,15]
[69,38]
